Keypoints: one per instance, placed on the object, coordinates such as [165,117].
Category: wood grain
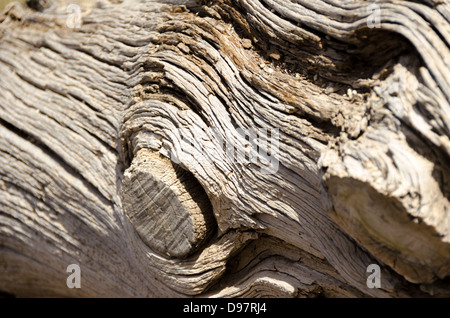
[90,120]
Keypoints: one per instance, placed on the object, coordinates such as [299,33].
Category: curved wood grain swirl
[363,115]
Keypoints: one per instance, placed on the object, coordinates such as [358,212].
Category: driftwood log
[225,148]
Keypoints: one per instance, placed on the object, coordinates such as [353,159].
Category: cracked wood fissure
[92,171]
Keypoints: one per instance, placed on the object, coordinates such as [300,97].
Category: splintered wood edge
[167,206]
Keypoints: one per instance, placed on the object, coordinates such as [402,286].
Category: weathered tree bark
[94,170]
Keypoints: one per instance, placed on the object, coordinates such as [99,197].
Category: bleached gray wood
[88,113]
[169,209]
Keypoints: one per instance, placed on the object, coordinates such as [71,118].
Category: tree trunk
[225,148]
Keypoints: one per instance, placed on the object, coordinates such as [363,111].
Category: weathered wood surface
[93,172]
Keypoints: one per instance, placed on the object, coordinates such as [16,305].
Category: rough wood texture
[362,169]
[166,205]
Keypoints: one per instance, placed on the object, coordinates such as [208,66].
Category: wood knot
[166,204]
